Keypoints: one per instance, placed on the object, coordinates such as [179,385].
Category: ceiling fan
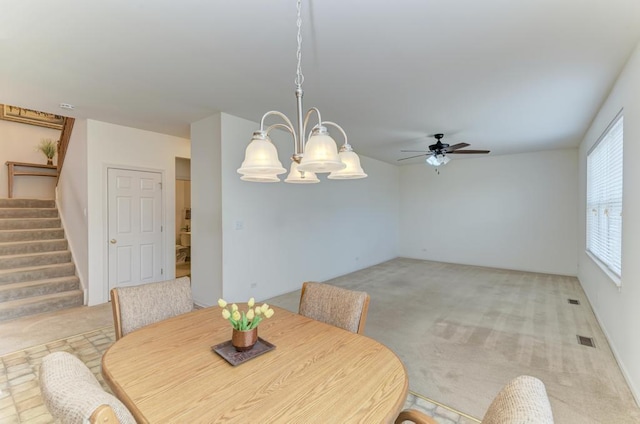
[438,152]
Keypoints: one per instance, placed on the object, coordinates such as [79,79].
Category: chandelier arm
[346,145]
[281,115]
[308,115]
[283,127]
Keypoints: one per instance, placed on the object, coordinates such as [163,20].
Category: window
[604,200]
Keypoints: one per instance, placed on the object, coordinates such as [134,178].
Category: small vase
[49,161]
[244,340]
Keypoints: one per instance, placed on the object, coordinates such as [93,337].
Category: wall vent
[574,301]
[586,341]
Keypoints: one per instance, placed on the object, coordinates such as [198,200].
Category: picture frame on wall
[32,117]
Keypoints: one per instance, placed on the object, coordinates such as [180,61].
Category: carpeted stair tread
[28,213]
[32,246]
[25,289]
[31,234]
[37,273]
[29,223]
[17,275]
[27,203]
[34,259]
[40,304]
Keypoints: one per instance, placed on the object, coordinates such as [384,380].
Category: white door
[135,227]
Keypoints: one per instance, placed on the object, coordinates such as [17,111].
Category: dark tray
[229,353]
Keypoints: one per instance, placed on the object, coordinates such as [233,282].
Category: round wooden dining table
[167,372]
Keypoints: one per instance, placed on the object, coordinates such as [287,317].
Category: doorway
[183,217]
[134,227]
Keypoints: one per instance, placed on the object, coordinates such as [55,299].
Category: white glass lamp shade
[261,161]
[260,178]
[300,177]
[437,160]
[353,169]
[320,154]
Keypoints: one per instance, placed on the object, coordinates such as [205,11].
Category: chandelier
[319,154]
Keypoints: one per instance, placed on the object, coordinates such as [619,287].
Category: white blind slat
[604,198]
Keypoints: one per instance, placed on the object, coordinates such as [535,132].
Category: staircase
[37,273]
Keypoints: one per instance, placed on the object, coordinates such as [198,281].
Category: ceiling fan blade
[416,156]
[456,147]
[469,152]
[414,151]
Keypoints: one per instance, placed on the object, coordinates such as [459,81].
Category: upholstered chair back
[138,306]
[74,396]
[523,400]
[333,305]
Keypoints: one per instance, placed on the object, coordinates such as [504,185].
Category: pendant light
[317,155]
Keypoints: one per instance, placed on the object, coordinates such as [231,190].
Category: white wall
[293,233]
[18,143]
[513,212]
[72,195]
[115,145]
[618,310]
[206,211]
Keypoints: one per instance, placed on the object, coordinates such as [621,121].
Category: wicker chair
[522,401]
[73,395]
[137,306]
[333,305]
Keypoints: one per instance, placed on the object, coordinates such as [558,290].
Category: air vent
[574,301]
[586,341]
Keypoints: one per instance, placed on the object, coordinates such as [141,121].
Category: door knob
[113,241]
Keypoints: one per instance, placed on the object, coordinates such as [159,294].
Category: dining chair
[333,305]
[138,306]
[523,400]
[73,395]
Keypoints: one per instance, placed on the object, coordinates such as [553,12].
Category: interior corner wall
[72,200]
[206,211]
[278,235]
[116,145]
[513,212]
[618,310]
[18,143]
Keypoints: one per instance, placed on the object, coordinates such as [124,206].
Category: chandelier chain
[299,76]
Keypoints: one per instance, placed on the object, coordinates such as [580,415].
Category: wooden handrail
[65,136]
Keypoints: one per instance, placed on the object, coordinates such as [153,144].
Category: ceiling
[509,76]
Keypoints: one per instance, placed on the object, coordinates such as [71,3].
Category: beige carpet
[464,331]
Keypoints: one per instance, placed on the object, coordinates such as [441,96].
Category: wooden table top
[167,372]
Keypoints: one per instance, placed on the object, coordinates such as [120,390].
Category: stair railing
[65,136]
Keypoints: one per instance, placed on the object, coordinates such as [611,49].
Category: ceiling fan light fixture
[438,160]
[437,153]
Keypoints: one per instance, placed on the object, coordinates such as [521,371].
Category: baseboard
[634,390]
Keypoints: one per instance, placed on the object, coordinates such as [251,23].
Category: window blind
[604,198]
